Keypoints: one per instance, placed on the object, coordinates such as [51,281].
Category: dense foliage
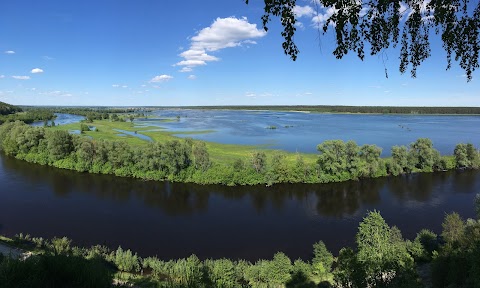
[381,258]
[6,109]
[29,116]
[187,160]
[375,25]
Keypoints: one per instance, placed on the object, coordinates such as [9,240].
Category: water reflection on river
[173,220]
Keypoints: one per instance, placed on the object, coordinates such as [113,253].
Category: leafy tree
[332,159]
[349,271]
[189,272]
[382,255]
[60,144]
[322,260]
[399,163]
[60,245]
[259,161]
[370,156]
[201,157]
[85,152]
[126,261]
[461,158]
[453,228]
[423,153]
[380,25]
[473,156]
[429,243]
[222,273]
[280,269]
[279,170]
[84,128]
[238,165]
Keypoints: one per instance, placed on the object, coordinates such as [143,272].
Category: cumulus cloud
[36,71]
[223,33]
[10,52]
[161,78]
[192,77]
[301,11]
[322,17]
[21,77]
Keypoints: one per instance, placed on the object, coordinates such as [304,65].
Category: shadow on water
[331,200]
[173,219]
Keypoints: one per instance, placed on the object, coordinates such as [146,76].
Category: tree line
[187,160]
[353,109]
[381,258]
[28,116]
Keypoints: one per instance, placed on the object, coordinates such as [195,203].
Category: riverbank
[364,265]
[153,154]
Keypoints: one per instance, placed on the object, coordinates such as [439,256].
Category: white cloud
[21,77]
[161,78]
[299,25]
[48,58]
[2,76]
[321,18]
[124,86]
[36,71]
[10,52]
[301,11]
[192,77]
[115,85]
[186,69]
[57,93]
[223,33]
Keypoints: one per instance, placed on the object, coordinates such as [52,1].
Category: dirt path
[13,252]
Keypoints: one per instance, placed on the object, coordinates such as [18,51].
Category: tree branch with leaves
[381,24]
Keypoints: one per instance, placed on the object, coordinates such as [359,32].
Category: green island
[381,258]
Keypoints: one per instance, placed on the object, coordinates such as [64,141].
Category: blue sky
[191,52]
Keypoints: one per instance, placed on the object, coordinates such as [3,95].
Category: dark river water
[302,132]
[176,220]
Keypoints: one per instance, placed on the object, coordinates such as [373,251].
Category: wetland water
[176,220]
[302,132]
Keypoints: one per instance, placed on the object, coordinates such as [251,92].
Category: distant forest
[6,109]
[353,109]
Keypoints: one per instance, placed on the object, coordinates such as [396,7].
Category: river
[174,220]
